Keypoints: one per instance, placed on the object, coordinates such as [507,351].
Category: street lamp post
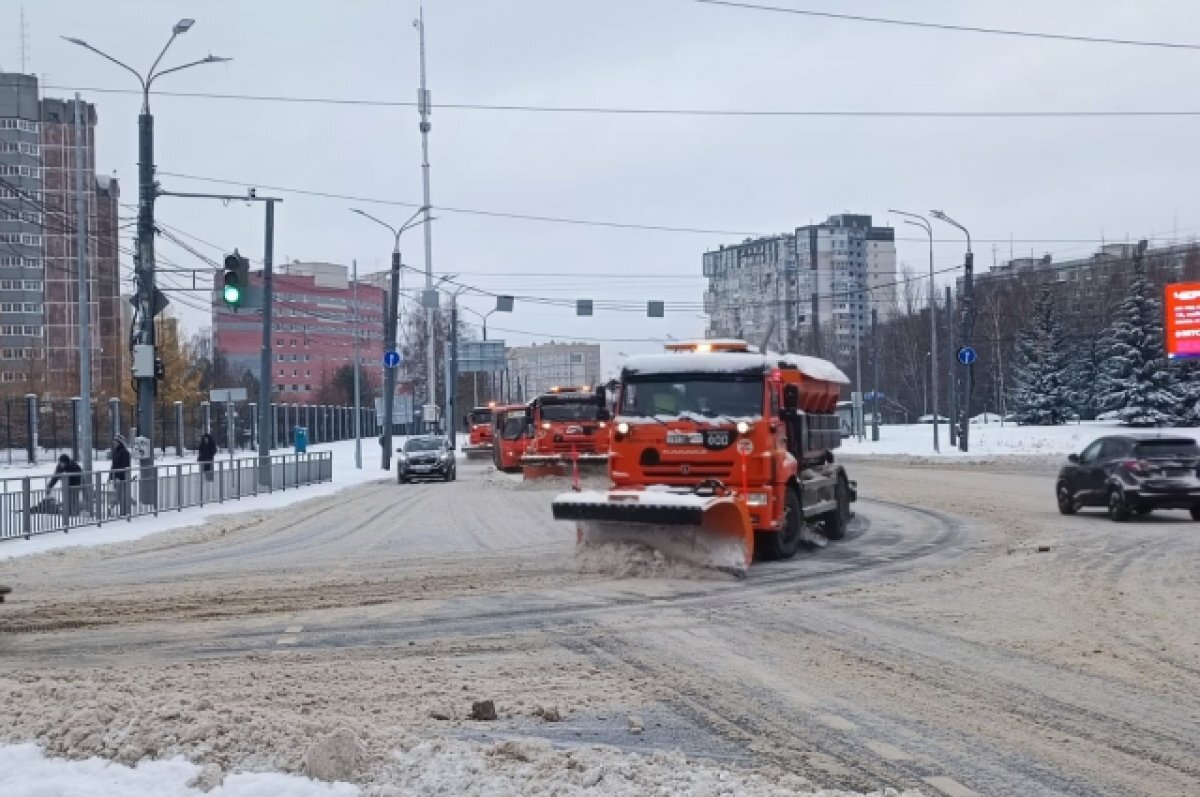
[483,317]
[968,322]
[917,220]
[143,333]
[389,327]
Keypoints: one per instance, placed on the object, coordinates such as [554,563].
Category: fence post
[179,487]
[31,427]
[220,482]
[179,428]
[206,414]
[253,426]
[99,505]
[26,520]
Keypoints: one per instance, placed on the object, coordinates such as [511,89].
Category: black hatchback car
[425,458]
[1132,474]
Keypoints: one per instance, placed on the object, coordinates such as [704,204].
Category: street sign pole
[389,372]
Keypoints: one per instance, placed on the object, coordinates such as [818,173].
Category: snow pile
[816,368]
[632,560]
[991,440]
[26,772]
[533,768]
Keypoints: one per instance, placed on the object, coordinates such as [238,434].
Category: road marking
[836,722]
[290,635]
[889,751]
[950,786]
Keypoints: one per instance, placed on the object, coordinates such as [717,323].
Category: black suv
[1132,473]
[425,458]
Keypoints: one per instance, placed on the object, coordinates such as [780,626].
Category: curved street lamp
[968,324]
[917,220]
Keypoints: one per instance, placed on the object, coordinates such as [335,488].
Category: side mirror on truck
[603,414]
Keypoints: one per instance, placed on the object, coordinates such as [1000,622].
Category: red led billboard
[1181,325]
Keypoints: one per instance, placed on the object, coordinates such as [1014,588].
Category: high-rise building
[535,369]
[39,311]
[837,271]
[314,322]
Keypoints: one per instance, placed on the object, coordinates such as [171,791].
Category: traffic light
[234,280]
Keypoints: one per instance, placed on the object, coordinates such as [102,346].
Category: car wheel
[446,476]
[1117,510]
[1066,501]
[1195,511]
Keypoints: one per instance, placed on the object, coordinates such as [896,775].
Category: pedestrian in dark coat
[71,474]
[205,454]
[118,474]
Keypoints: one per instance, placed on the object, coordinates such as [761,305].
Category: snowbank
[993,440]
[344,475]
[26,772]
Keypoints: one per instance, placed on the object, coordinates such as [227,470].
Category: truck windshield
[481,416]
[571,412]
[711,395]
[514,426]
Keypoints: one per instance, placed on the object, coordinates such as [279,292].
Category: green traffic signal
[232,294]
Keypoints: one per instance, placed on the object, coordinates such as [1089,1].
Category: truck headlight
[758,499]
[742,427]
[545,424]
[622,428]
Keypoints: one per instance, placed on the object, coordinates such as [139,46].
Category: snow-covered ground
[993,440]
[344,475]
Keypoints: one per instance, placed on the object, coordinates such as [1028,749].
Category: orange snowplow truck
[568,428]
[480,432]
[720,453]
[510,434]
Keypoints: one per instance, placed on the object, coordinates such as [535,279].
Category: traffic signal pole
[264,358]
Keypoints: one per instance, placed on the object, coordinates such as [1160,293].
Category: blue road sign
[391,359]
[871,395]
[967,356]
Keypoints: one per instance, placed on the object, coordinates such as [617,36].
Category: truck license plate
[683,439]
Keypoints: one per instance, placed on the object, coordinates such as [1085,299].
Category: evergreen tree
[1041,396]
[1135,377]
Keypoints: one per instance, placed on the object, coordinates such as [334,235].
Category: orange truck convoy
[568,429]
[720,453]
[480,431]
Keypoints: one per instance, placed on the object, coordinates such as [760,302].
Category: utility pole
[84,297]
[875,364]
[264,360]
[357,369]
[430,301]
[389,374]
[952,387]
[858,403]
[968,324]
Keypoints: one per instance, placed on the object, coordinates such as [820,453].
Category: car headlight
[758,499]
[444,456]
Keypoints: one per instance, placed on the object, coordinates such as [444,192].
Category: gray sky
[1075,179]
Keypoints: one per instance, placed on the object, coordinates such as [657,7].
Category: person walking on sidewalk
[118,475]
[205,454]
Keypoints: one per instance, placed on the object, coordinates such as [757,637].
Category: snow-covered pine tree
[1136,379]
[1041,396]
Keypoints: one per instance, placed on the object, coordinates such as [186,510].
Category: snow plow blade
[562,467]
[477,452]
[710,531]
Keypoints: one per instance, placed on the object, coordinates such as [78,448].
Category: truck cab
[510,435]
[568,425]
[480,427]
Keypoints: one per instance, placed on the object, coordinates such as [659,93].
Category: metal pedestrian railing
[28,505]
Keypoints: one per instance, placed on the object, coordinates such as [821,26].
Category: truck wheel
[835,522]
[782,544]
[1117,510]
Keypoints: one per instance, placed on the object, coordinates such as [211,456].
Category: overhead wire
[946,26]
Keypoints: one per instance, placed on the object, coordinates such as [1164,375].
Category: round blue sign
[967,355]
[391,359]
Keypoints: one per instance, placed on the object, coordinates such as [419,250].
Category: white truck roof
[723,362]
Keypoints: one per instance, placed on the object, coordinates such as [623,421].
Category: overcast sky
[1038,181]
